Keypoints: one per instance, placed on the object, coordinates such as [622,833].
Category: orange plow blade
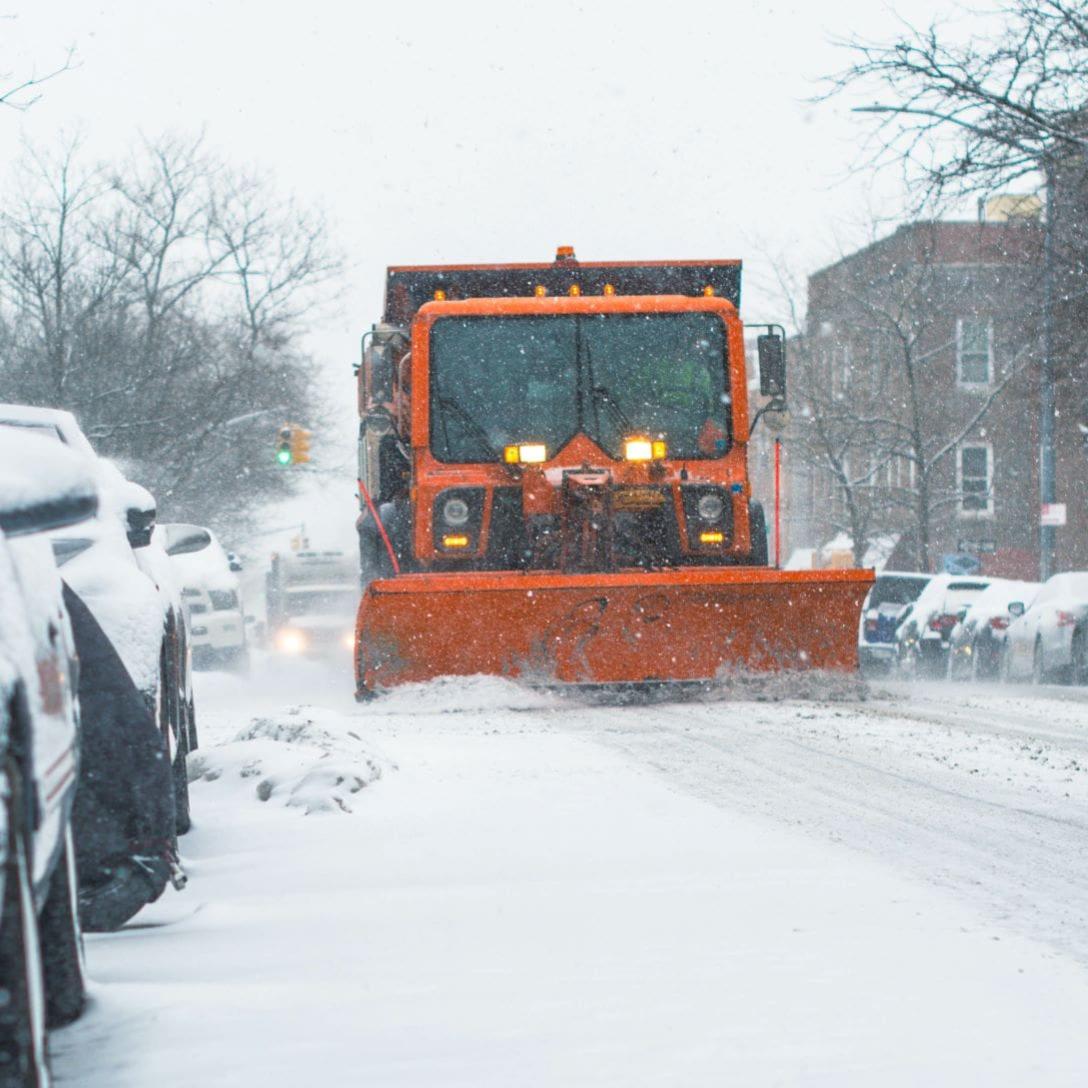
[623,628]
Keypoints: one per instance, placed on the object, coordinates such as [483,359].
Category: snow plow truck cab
[554,485]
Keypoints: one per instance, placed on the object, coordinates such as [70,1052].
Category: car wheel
[1038,668]
[1004,669]
[180,771]
[190,723]
[23,1062]
[62,943]
[1079,668]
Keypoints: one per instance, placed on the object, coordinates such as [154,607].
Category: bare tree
[164,301]
[968,118]
[21,93]
[869,414]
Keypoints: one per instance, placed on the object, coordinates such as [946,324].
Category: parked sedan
[977,643]
[42,487]
[925,627]
[890,595]
[1049,639]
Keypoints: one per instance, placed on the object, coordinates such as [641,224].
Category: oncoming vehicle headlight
[710,507]
[290,640]
[455,511]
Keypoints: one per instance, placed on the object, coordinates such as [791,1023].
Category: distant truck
[312,598]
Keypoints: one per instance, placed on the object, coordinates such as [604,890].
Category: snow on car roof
[35,470]
[1000,593]
[62,423]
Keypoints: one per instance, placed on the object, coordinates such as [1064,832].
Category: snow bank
[304,758]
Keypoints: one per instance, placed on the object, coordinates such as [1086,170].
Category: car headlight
[455,512]
[710,507]
[290,641]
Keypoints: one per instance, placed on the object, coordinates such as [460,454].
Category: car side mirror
[772,366]
[1016,609]
[183,542]
[140,521]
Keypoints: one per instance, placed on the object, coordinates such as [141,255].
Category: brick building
[915,397]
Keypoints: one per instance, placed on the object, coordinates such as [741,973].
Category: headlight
[290,641]
[455,511]
[710,507]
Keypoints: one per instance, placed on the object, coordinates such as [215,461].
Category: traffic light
[300,445]
[293,447]
[283,449]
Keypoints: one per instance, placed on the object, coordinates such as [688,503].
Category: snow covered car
[1049,638]
[977,642]
[123,576]
[891,593]
[925,627]
[211,594]
[42,488]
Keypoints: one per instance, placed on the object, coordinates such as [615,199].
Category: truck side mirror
[772,366]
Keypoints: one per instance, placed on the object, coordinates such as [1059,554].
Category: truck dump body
[554,480]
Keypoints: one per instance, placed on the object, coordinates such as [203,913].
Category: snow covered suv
[123,576]
[924,633]
[211,593]
[42,487]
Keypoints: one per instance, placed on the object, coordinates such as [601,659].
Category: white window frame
[988,510]
[960,380]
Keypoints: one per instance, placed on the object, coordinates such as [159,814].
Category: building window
[976,479]
[974,351]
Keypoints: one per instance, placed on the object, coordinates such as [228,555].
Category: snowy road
[531,891]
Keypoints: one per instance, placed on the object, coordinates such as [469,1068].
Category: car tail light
[1064,619]
[999,623]
[943,621]
[871,625]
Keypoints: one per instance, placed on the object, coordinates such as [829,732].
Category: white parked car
[925,627]
[977,642]
[42,487]
[1049,639]
[124,578]
[211,594]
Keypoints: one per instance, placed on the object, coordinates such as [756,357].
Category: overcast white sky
[489,131]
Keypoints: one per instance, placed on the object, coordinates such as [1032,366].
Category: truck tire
[23,1062]
[757,528]
[62,943]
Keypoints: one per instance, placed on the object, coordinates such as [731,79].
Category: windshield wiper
[619,416]
[448,403]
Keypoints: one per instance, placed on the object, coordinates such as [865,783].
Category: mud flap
[630,627]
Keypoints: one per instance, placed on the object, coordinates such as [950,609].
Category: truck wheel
[23,1062]
[757,529]
[62,943]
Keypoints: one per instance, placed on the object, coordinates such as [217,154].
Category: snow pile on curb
[305,758]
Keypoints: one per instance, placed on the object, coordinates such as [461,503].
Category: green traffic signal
[283,455]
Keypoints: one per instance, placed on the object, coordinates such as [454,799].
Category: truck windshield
[496,381]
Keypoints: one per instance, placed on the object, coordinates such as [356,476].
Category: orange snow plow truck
[554,486]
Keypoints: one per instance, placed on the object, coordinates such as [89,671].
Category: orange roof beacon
[554,486]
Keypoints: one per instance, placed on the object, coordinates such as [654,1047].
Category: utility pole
[1046,386]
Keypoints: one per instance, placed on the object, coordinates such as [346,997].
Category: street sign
[977,547]
[1052,514]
